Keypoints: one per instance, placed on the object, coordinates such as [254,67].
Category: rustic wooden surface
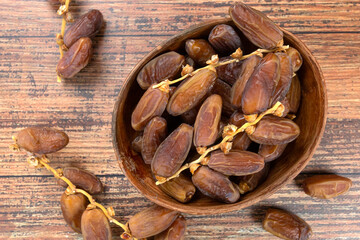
[30,95]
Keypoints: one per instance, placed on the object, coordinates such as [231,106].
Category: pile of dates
[177,124]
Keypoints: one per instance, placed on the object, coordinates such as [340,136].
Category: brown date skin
[273,130]
[294,95]
[151,221]
[236,162]
[247,68]
[165,66]
[257,27]
[241,140]
[207,121]
[286,73]
[95,225]
[224,90]
[271,152]
[295,57]
[151,104]
[261,85]
[191,92]
[75,59]
[229,72]
[189,117]
[42,140]
[172,152]
[136,144]
[175,232]
[88,25]
[237,119]
[249,182]
[154,133]
[82,179]
[224,39]
[215,185]
[286,106]
[72,207]
[199,50]
[180,188]
[326,186]
[286,225]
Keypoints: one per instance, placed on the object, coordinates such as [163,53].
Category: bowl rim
[230,207]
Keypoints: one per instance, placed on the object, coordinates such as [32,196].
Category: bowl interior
[311,118]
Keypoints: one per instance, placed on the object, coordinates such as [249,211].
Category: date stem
[229,135]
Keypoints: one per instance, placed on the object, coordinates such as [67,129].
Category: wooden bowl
[311,119]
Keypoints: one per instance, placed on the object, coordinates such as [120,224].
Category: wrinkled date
[224,39]
[180,188]
[173,151]
[215,185]
[206,126]
[296,59]
[165,66]
[191,92]
[199,50]
[326,186]
[271,152]
[151,221]
[42,140]
[286,225]
[82,179]
[247,68]
[151,104]
[229,72]
[75,59]
[175,232]
[257,27]
[241,141]
[88,25]
[294,95]
[236,162]
[224,90]
[95,225]
[260,87]
[154,133]
[72,207]
[274,131]
[136,144]
[249,182]
[286,73]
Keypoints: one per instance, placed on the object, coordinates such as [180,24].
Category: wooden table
[82,106]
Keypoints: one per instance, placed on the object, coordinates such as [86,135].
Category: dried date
[326,186]
[151,104]
[199,50]
[295,57]
[286,225]
[136,144]
[180,188]
[224,39]
[286,73]
[75,59]
[95,225]
[88,25]
[249,182]
[229,72]
[42,140]
[175,232]
[271,152]
[294,94]
[224,90]
[165,66]
[72,207]
[151,221]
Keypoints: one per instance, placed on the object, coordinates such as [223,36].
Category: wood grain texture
[82,106]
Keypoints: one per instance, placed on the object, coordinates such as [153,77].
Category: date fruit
[189,117]
[241,141]
[246,70]
[326,186]
[42,140]
[165,66]
[295,58]
[206,126]
[82,179]
[256,26]
[229,72]
[154,133]
[151,104]
[215,185]
[294,94]
[236,162]
[72,207]
[224,90]
[271,152]
[88,25]
[286,73]
[224,39]
[95,225]
[273,130]
[175,232]
[286,225]
[249,182]
[191,92]
[199,50]
[136,144]
[151,221]
[180,188]
[75,59]
[173,151]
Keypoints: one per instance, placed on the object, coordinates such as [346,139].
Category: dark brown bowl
[311,118]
